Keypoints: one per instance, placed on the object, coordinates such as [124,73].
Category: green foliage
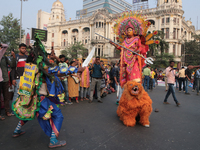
[9,32]
[192,53]
[75,50]
[160,51]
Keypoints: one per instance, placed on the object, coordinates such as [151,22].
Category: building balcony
[98,41]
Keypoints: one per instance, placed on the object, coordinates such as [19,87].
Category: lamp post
[20,34]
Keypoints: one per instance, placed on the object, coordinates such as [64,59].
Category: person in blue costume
[43,100]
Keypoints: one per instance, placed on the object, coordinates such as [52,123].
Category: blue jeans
[16,88]
[146,80]
[120,92]
[65,85]
[186,85]
[171,90]
[154,85]
[198,84]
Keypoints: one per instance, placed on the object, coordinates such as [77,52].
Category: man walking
[188,74]
[170,73]
[18,69]
[96,69]
[181,79]
[147,75]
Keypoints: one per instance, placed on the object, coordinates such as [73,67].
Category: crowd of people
[182,79]
[97,80]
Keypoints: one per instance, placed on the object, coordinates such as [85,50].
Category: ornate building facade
[167,16]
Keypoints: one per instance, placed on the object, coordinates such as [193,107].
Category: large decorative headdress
[137,22]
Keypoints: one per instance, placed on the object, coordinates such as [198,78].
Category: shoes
[77,101]
[100,101]
[117,102]
[192,90]
[18,133]
[179,91]
[89,101]
[166,103]
[184,91]
[187,93]
[177,104]
[58,144]
[197,93]
[68,103]
[2,118]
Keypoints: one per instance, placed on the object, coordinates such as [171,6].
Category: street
[96,126]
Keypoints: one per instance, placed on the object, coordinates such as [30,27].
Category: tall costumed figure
[131,30]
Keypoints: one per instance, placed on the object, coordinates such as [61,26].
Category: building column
[90,32]
[69,36]
[171,48]
[171,27]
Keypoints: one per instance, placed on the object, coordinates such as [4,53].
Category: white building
[167,16]
[42,20]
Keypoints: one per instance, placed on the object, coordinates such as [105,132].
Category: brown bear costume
[134,102]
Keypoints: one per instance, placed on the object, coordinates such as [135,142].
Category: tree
[9,32]
[192,52]
[75,50]
[160,51]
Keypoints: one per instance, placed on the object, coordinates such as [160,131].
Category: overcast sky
[31,7]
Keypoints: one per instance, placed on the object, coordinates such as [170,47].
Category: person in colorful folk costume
[85,83]
[38,96]
[73,81]
[131,30]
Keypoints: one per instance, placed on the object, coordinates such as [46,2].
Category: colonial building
[167,16]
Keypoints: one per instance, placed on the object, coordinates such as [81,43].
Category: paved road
[96,127]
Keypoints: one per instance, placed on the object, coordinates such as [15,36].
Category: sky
[31,7]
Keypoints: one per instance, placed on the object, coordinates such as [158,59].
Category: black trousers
[181,80]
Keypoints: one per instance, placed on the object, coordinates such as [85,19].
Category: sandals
[81,99]
[18,133]
[58,144]
[77,101]
[2,118]
[86,99]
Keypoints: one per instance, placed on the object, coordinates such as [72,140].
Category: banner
[26,81]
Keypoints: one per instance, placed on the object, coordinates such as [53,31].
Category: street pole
[20,34]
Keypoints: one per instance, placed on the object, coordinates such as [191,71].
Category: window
[64,42]
[174,50]
[167,20]
[174,20]
[163,20]
[166,1]
[174,33]
[52,44]
[52,34]
[163,30]
[178,20]
[96,24]
[167,33]
[85,41]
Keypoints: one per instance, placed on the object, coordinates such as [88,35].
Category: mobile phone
[13,50]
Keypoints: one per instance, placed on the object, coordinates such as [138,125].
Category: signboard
[27,80]
[138,1]
[81,12]
[41,33]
